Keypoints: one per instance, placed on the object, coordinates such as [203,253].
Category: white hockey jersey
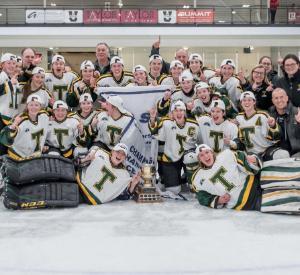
[232,174]
[100,181]
[29,137]
[62,135]
[178,139]
[181,95]
[255,133]
[10,99]
[108,80]
[213,134]
[59,86]
[231,87]
[108,130]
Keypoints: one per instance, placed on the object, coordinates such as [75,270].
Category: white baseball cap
[201,85]
[218,103]
[116,59]
[155,56]
[38,70]
[60,104]
[58,57]
[19,59]
[176,63]
[139,68]
[247,94]
[178,105]
[85,97]
[186,75]
[202,147]
[87,64]
[116,101]
[8,57]
[195,56]
[228,62]
[121,147]
[34,97]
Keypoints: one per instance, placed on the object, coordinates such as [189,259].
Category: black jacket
[292,128]
[291,86]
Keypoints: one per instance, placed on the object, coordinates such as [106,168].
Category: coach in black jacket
[288,117]
[290,81]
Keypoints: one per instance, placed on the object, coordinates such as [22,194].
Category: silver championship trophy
[147,192]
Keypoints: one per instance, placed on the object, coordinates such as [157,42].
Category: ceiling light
[186,7]
[246,6]
[1,14]
[53,4]
[120,4]
[233,12]
[221,21]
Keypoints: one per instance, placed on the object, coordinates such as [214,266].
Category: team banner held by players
[137,100]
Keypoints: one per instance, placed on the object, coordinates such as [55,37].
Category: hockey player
[36,86]
[204,97]
[185,94]
[85,112]
[258,131]
[63,132]
[180,135]
[195,64]
[107,127]
[227,180]
[117,76]
[25,136]
[9,89]
[176,68]
[155,77]
[217,132]
[139,76]
[106,177]
[84,84]
[58,81]
[227,83]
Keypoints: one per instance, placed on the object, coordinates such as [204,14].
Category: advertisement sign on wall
[167,16]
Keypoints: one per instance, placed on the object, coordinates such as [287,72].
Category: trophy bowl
[147,192]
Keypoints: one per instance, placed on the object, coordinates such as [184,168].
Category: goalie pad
[282,173]
[281,200]
[41,195]
[49,167]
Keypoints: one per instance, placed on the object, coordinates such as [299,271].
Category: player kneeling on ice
[227,180]
[106,177]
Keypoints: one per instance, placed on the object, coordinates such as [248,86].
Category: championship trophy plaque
[147,192]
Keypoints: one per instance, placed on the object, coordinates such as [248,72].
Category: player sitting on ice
[105,178]
[227,180]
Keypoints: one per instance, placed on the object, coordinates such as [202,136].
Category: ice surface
[123,237]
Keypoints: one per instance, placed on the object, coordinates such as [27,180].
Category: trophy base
[147,195]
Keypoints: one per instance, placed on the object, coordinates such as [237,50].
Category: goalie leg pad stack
[41,195]
[52,168]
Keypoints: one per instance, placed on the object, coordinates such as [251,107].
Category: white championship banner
[137,100]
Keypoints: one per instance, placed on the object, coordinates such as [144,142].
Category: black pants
[171,172]
[273,14]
